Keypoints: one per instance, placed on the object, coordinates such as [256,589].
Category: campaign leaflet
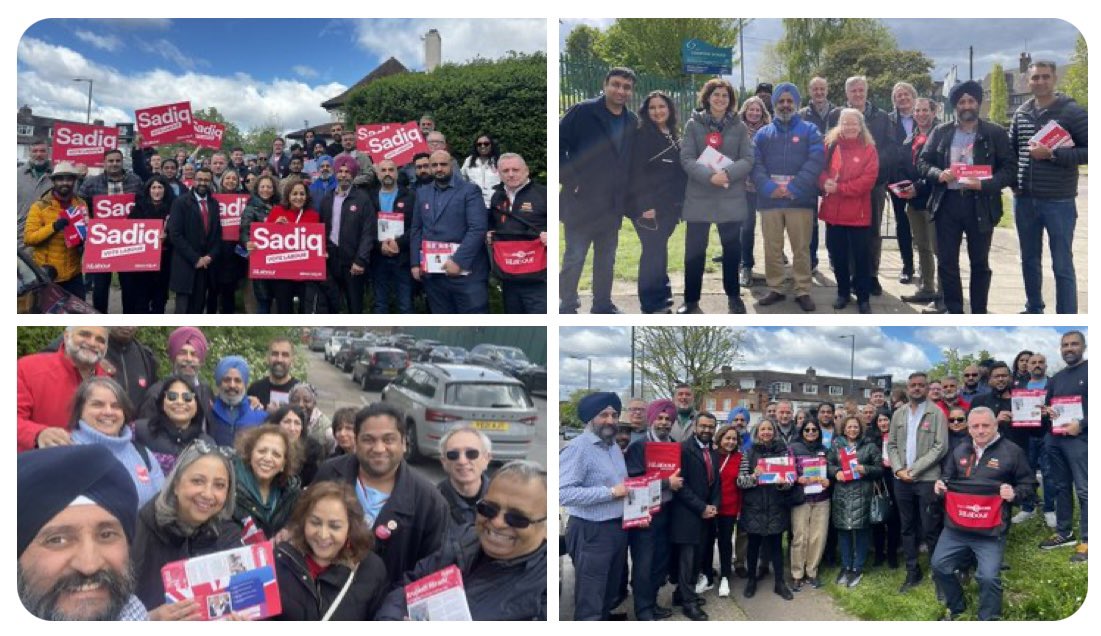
[1067,409]
[812,468]
[77,228]
[776,470]
[397,142]
[165,125]
[84,144]
[391,225]
[636,505]
[968,171]
[849,462]
[662,459]
[1053,136]
[112,206]
[438,597]
[1026,407]
[123,245]
[434,254]
[655,496]
[713,159]
[898,189]
[287,251]
[240,581]
[230,209]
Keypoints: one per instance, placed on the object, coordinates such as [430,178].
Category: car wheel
[412,449]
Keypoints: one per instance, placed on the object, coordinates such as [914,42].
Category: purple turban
[657,407]
[346,160]
[187,336]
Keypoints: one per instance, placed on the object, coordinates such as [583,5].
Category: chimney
[1025,62]
[432,49]
[811,373]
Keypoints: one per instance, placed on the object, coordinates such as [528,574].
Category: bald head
[387,172]
[439,164]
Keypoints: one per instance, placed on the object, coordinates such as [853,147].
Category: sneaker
[854,578]
[842,577]
[702,585]
[689,308]
[1080,554]
[1022,516]
[814,582]
[1049,519]
[745,279]
[724,588]
[1057,541]
[735,305]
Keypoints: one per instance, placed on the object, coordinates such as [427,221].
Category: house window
[783,387]
[710,404]
[726,404]
[25,130]
[717,382]
[836,390]
[810,389]
[747,384]
[867,393]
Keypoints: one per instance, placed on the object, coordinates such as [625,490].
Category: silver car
[436,397]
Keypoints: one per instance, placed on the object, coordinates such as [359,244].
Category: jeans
[598,550]
[749,230]
[524,296]
[391,277]
[1038,458]
[457,294]
[1058,216]
[1069,468]
[654,292]
[854,548]
[604,241]
[695,254]
[955,218]
[262,291]
[954,550]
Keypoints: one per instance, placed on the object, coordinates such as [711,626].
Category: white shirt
[912,424]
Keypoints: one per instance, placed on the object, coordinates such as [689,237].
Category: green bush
[505,98]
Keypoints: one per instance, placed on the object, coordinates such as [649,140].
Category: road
[336,390]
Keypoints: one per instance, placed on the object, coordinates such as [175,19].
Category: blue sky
[254,71]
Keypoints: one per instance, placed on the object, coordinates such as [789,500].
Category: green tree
[1075,81]
[999,97]
[567,411]
[880,61]
[953,363]
[260,138]
[803,46]
[581,43]
[653,45]
[694,355]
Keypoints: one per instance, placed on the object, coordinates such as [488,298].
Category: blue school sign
[700,58]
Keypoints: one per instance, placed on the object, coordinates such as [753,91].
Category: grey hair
[84,391]
[512,155]
[982,410]
[166,504]
[906,86]
[856,79]
[302,386]
[465,428]
[523,470]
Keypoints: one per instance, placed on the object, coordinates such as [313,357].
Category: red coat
[46,385]
[855,166]
[731,502]
[280,212]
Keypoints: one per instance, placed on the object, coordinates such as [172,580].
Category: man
[764,92]
[818,110]
[390,271]
[274,390]
[45,229]
[350,227]
[770,411]
[591,473]
[74,535]
[1038,456]
[1067,451]
[825,419]
[636,418]
[902,118]
[324,181]
[966,206]
[32,181]
[595,139]
[950,395]
[336,131]
[219,163]
[451,213]
[366,173]
[279,161]
[972,387]
[502,557]
[195,231]
[294,172]
[916,443]
[405,512]
[878,399]
[187,348]
[133,365]
[170,170]
[237,157]
[1046,187]
[623,434]
[787,160]
[113,180]
[992,468]
[518,211]
[693,507]
[785,421]
[935,392]
[427,124]
[867,415]
[1000,401]
[47,382]
[684,399]
[232,411]
[465,453]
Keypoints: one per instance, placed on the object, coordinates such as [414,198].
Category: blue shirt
[371,500]
[386,200]
[588,469]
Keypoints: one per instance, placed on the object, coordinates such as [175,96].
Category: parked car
[38,293]
[570,433]
[419,350]
[333,345]
[377,366]
[443,353]
[349,352]
[402,341]
[319,338]
[510,360]
[534,378]
[436,397]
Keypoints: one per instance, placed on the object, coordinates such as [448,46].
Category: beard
[232,400]
[44,603]
[278,370]
[82,355]
[605,433]
[784,116]
[967,115]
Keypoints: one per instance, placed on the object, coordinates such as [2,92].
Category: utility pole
[970,62]
[741,53]
[852,363]
[632,362]
[88,117]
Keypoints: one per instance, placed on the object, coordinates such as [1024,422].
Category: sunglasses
[810,430]
[484,143]
[471,454]
[970,375]
[517,520]
[186,396]
[957,419]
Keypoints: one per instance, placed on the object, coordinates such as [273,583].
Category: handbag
[881,503]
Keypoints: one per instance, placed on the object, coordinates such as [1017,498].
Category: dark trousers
[284,292]
[773,552]
[749,231]
[688,563]
[649,564]
[456,294]
[74,286]
[955,218]
[887,536]
[391,277]
[707,553]
[695,254]
[101,290]
[902,229]
[846,243]
[322,297]
[222,297]
[917,505]
[598,550]
[604,241]
[524,297]
[195,302]
[261,289]
[725,527]
[1069,470]
[654,291]
[1032,216]
[345,285]
[1038,458]
[958,549]
[144,292]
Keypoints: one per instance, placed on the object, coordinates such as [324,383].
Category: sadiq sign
[123,245]
[287,251]
[83,144]
[397,142]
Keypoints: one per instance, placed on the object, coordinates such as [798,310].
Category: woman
[267,486]
[177,423]
[714,195]
[259,207]
[657,193]
[810,518]
[326,569]
[886,537]
[318,427]
[764,508]
[98,416]
[728,441]
[801,416]
[852,166]
[754,114]
[344,432]
[854,464]
[192,516]
[232,267]
[294,208]
[147,292]
[480,166]
[1021,374]
[293,421]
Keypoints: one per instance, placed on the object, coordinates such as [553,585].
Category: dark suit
[390,274]
[455,214]
[358,229]
[649,546]
[190,242]
[702,488]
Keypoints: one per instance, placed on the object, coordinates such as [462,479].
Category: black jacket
[165,441]
[997,403]
[850,505]
[701,489]
[594,171]
[808,113]
[991,148]
[416,515]
[462,513]
[514,590]
[1003,462]
[190,242]
[1058,178]
[307,599]
[658,180]
[1068,382]
[530,205]
[403,203]
[888,143]
[135,367]
[765,507]
[358,226]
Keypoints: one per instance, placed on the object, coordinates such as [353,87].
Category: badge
[426,206]
[352,209]
[382,532]
[401,204]
[143,474]
[526,207]
[142,382]
[963,462]
[795,139]
[993,463]
[925,426]
[714,139]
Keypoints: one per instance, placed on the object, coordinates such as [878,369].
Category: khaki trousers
[809,524]
[798,222]
[925,242]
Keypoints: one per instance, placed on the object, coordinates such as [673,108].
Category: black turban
[970,87]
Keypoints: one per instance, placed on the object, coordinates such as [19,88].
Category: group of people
[483,212]
[793,165]
[860,480]
[121,473]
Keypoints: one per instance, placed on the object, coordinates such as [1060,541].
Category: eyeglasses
[471,454]
[956,420]
[517,520]
[484,143]
[187,396]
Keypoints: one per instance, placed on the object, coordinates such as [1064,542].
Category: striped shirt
[1026,128]
[588,469]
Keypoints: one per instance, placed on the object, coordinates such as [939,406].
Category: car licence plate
[491,426]
[389,372]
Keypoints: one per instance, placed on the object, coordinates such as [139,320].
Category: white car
[333,345]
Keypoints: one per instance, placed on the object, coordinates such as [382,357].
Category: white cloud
[1003,344]
[172,53]
[461,40]
[106,42]
[45,84]
[304,71]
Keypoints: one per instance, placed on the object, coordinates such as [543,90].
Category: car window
[487,395]
[27,275]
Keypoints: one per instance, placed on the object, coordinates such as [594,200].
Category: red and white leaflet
[397,142]
[636,505]
[123,245]
[713,159]
[1067,409]
[849,462]
[438,597]
[166,124]
[776,470]
[1026,407]
[662,459]
[899,188]
[655,495]
[391,225]
[968,171]
[434,254]
[208,134]
[77,228]
[1053,136]
[230,208]
[287,251]
[239,581]
[83,144]
[112,206]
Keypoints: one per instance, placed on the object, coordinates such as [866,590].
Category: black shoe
[662,612]
[694,612]
[762,572]
[689,308]
[814,582]
[939,592]
[906,278]
[610,309]
[842,578]
[772,298]
[782,590]
[864,307]
[664,310]
[913,578]
[741,572]
[806,303]
[841,302]
[854,578]
[892,562]
[876,288]
[735,305]
[750,588]
[949,616]
[921,296]
[879,560]
[617,616]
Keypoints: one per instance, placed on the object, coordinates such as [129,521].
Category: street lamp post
[590,361]
[88,117]
[852,363]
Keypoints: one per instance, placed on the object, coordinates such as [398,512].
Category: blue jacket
[226,421]
[794,149]
[320,187]
[456,214]
[594,174]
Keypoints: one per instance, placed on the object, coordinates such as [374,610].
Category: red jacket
[855,166]
[731,503]
[280,212]
[46,384]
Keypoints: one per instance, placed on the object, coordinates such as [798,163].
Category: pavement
[1007,295]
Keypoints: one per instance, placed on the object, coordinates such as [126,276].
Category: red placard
[166,124]
[123,245]
[208,134]
[662,459]
[230,208]
[287,251]
[397,142]
[83,144]
[112,206]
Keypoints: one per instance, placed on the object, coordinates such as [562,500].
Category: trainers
[745,279]
[724,588]
[1022,516]
[735,305]
[702,585]
[842,577]
[854,578]
[1057,541]
[1080,554]
[1049,519]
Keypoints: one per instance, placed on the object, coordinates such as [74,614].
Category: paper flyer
[1067,409]
[849,462]
[636,505]
[438,597]
[240,581]
[813,468]
[1026,407]
[776,470]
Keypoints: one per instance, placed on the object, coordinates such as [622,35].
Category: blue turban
[591,405]
[231,362]
[738,410]
[786,87]
[324,159]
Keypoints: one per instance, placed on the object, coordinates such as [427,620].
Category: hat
[591,405]
[64,169]
[970,87]
[324,159]
[187,336]
[786,87]
[346,160]
[763,86]
[231,362]
[657,407]
[51,479]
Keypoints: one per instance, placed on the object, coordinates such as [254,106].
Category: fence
[584,79]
